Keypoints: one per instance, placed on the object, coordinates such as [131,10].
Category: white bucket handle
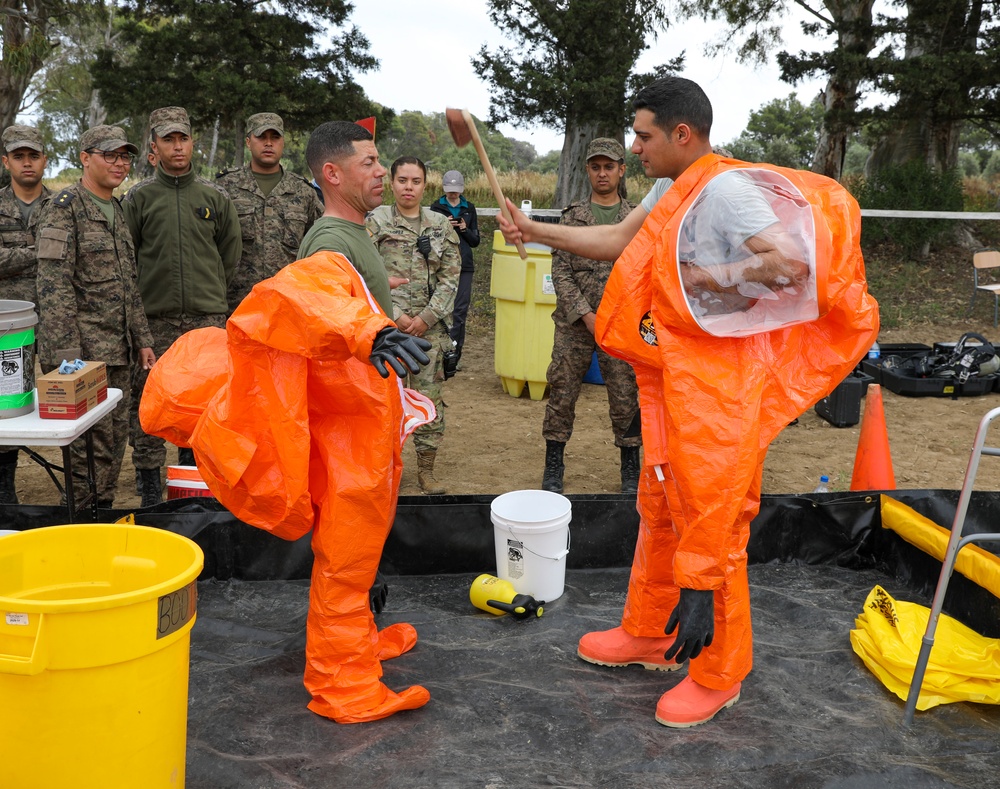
[561,554]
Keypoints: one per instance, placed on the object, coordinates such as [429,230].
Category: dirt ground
[493,441]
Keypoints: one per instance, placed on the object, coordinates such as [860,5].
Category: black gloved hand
[378,593]
[695,613]
[424,246]
[397,348]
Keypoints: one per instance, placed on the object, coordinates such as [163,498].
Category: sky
[425,49]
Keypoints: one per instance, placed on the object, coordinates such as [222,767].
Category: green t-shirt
[106,207]
[605,214]
[267,181]
[329,233]
[27,208]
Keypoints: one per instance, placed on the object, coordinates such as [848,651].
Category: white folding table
[30,430]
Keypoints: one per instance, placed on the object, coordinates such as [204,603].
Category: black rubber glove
[396,348]
[378,593]
[695,613]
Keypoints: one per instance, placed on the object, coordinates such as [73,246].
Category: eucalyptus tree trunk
[855,39]
[573,183]
[930,122]
[23,28]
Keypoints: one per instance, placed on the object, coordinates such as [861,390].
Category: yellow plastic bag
[963,665]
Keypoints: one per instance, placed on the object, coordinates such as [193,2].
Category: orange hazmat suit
[294,429]
[717,383]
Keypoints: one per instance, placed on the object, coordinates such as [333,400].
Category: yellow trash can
[95,631]
[524,330]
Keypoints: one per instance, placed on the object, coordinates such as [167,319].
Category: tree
[228,59]
[25,29]
[426,136]
[62,92]
[571,68]
[846,65]
[939,58]
[782,132]
[549,163]
[946,75]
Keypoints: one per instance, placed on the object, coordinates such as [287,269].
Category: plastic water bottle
[874,352]
[824,485]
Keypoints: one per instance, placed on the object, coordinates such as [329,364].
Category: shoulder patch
[64,198]
[223,173]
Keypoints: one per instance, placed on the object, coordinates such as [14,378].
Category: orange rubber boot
[615,647]
[394,640]
[688,703]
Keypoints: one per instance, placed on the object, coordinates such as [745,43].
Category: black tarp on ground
[512,705]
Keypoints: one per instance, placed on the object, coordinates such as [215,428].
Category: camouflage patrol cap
[168,120]
[106,138]
[262,121]
[605,146]
[17,136]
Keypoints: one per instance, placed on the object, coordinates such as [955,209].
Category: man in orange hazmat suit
[297,423]
[740,302]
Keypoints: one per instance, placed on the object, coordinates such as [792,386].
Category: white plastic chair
[955,543]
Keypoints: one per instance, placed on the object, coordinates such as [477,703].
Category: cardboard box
[74,411]
[72,395]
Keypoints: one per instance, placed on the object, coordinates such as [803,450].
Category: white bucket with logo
[531,535]
[17,358]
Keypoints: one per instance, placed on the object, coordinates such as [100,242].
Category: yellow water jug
[497,596]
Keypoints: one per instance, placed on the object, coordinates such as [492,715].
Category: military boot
[552,479]
[630,469]
[151,490]
[8,469]
[425,473]
[185,457]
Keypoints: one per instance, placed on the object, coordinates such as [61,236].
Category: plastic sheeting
[512,705]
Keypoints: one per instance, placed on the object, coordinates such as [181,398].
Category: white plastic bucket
[531,536]
[17,358]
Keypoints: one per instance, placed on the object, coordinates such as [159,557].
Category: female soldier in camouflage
[421,247]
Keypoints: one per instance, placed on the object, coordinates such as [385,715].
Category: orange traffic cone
[873,462]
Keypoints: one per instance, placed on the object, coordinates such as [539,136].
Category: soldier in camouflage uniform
[24,158]
[188,241]
[422,247]
[275,207]
[579,284]
[88,294]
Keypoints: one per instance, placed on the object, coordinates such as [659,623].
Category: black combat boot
[552,480]
[8,468]
[151,490]
[185,457]
[630,470]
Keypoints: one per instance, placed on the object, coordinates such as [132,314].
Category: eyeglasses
[113,156]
